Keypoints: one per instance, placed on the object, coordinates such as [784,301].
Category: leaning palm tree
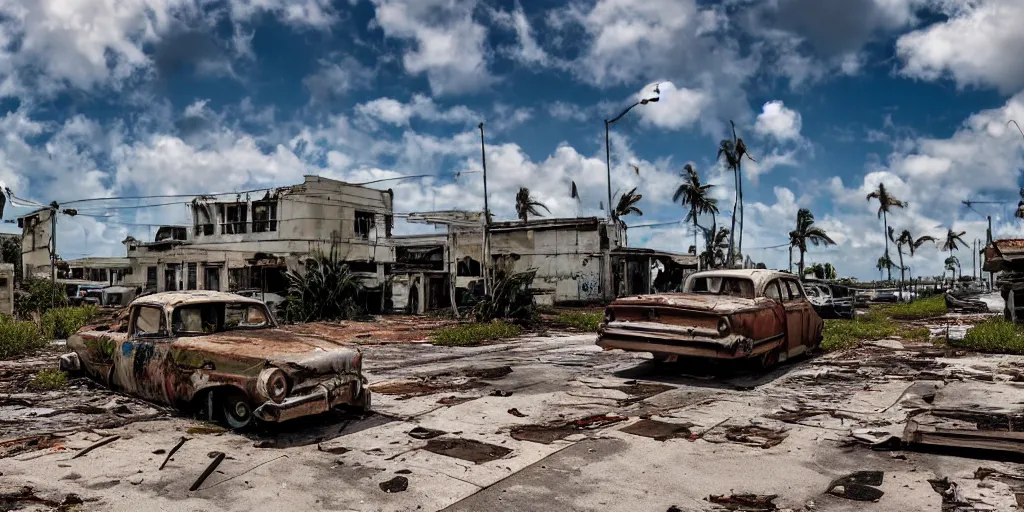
[906,239]
[953,240]
[734,150]
[805,232]
[526,205]
[885,203]
[626,206]
[696,195]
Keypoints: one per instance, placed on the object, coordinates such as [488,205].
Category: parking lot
[544,422]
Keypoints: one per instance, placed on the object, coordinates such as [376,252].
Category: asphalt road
[545,423]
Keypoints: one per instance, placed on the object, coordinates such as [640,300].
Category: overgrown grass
[844,334]
[49,379]
[918,309]
[60,323]
[993,335]
[18,337]
[582,321]
[469,335]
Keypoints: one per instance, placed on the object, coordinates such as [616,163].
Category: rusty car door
[798,315]
[140,360]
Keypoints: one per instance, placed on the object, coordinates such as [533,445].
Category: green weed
[60,323]
[469,335]
[48,380]
[18,337]
[993,335]
[581,321]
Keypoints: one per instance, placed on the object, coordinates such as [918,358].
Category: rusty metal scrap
[218,457]
[97,444]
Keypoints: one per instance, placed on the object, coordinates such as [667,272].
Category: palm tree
[885,202]
[526,206]
[805,232]
[954,240]
[905,238]
[716,241]
[696,196]
[884,264]
[734,150]
[951,264]
[626,206]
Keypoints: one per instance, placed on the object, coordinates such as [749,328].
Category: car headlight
[609,315]
[723,327]
[272,384]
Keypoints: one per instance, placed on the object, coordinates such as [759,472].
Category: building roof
[99,262]
[192,297]
[546,223]
[684,259]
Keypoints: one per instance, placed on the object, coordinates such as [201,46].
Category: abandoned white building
[248,241]
[577,261]
[35,241]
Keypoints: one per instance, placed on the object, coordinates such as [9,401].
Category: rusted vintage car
[721,314]
[220,354]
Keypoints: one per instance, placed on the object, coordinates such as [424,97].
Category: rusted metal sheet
[266,371]
[715,324]
[1004,255]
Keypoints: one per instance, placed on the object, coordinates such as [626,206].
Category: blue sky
[833,97]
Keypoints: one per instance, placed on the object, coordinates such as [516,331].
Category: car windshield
[213,317]
[718,285]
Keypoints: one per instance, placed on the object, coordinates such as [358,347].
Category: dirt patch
[658,430]
[455,380]
[639,391]
[750,502]
[467,449]
[381,330]
[547,434]
[455,400]
[27,495]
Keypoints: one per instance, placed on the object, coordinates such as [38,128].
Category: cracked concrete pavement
[787,432]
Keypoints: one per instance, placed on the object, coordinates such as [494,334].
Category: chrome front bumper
[342,390]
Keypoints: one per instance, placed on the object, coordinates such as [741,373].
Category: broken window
[150,279]
[389,224]
[363,266]
[192,275]
[264,216]
[795,290]
[732,286]
[772,291]
[211,279]
[468,267]
[364,224]
[203,222]
[233,218]
[149,322]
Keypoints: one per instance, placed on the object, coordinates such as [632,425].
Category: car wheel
[769,359]
[236,411]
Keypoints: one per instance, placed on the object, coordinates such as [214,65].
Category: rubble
[747,502]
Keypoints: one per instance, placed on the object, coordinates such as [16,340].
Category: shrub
[993,335]
[582,321]
[510,299]
[327,290]
[39,296]
[469,335]
[49,379]
[60,323]
[18,337]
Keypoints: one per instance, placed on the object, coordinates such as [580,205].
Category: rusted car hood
[275,345]
[693,301]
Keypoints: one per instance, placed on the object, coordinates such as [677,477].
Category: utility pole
[487,214]
[53,241]
[974,260]
[608,146]
[988,241]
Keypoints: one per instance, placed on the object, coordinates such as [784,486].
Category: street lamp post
[607,143]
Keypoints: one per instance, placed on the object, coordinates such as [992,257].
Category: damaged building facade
[36,237]
[577,261]
[249,241]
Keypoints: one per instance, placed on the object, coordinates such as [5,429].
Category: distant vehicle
[721,314]
[117,296]
[220,354]
[830,300]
